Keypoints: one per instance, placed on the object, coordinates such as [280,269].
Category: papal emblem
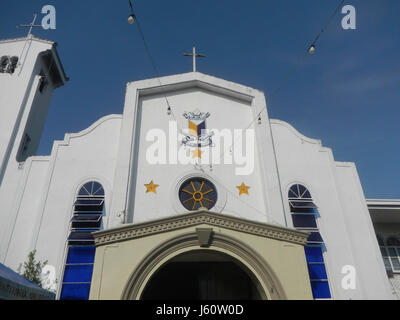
[198,135]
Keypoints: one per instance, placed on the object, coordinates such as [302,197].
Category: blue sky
[346,94]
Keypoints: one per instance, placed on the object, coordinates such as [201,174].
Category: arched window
[87,218]
[304,213]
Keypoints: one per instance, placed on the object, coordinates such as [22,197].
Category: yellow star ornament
[151,187]
[196,153]
[243,189]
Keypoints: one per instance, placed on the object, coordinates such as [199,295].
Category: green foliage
[33,269]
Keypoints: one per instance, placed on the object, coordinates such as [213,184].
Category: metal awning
[15,287]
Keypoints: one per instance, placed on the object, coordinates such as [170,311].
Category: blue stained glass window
[315,237]
[304,221]
[81,254]
[304,213]
[78,273]
[317,271]
[75,291]
[88,212]
[320,290]
[314,254]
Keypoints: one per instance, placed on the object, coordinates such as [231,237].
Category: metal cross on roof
[31,25]
[194,55]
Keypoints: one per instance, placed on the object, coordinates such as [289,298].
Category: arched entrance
[256,277]
[202,275]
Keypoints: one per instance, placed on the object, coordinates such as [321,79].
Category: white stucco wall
[223,112]
[49,187]
[344,221]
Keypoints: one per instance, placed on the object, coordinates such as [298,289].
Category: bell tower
[30,70]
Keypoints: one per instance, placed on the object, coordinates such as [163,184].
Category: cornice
[134,231]
[194,79]
[29,38]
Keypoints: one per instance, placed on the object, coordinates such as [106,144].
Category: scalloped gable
[84,132]
[311,141]
[295,132]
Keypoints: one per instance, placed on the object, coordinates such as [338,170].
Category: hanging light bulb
[259,120]
[131,19]
[311,50]
[169,110]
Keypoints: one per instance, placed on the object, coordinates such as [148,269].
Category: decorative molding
[133,231]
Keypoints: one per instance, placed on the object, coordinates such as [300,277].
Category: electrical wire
[276,91]
[152,62]
[328,22]
[291,72]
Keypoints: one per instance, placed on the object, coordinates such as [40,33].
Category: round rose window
[196,193]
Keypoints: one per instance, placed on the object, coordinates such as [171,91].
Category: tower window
[3,64]
[8,64]
[43,82]
[13,64]
[25,142]
[23,151]
[87,218]
[304,213]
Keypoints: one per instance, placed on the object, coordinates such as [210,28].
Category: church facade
[192,193]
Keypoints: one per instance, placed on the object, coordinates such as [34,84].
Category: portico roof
[200,217]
